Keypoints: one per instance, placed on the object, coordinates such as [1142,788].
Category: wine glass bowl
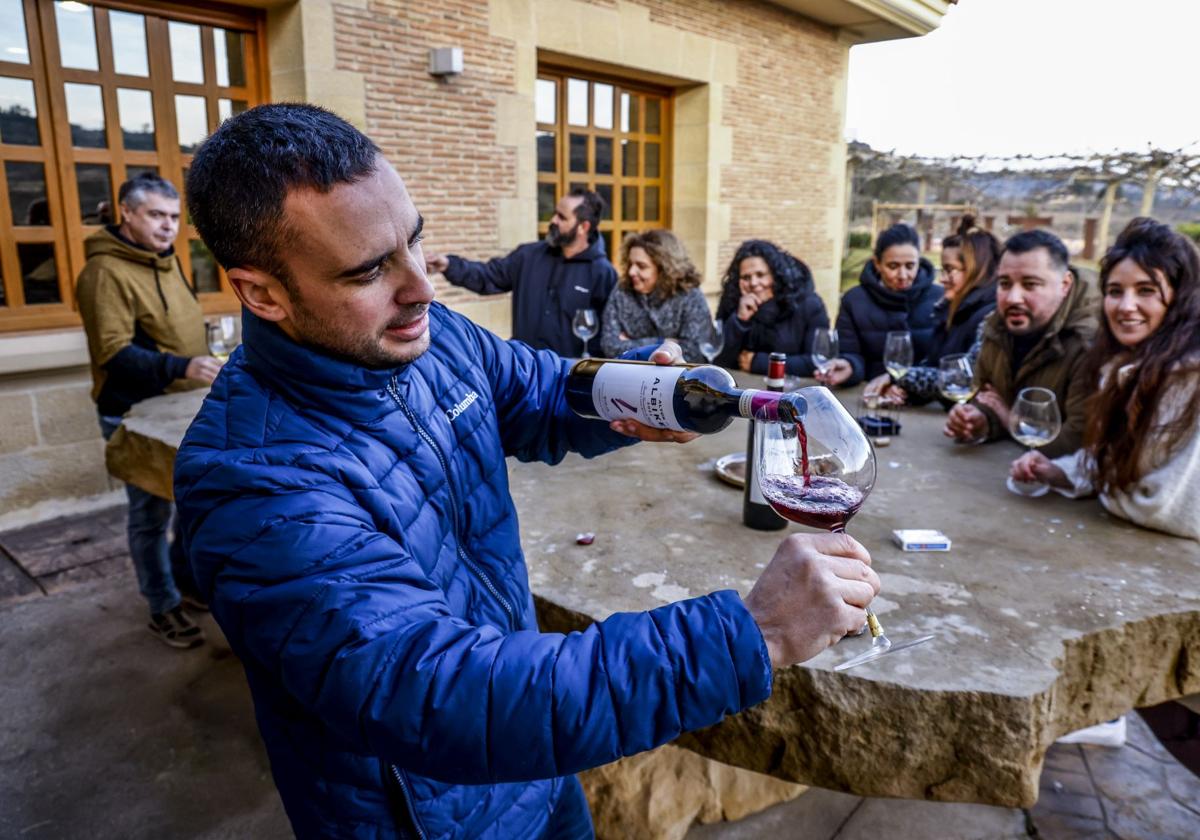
[1034,421]
[585,325]
[824,348]
[898,354]
[956,378]
[715,342]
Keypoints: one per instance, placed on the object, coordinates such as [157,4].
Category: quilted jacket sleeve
[310,593]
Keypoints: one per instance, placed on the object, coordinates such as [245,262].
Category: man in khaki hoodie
[146,336]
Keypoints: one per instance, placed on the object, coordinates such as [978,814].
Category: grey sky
[1034,77]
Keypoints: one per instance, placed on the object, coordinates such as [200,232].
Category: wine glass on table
[824,348]
[818,471]
[715,342]
[956,378]
[1034,421]
[898,355]
[585,325]
[218,347]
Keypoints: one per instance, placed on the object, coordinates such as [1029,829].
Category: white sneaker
[1108,734]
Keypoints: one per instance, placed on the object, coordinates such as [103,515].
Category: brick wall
[441,134]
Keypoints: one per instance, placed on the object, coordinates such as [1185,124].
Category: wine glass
[218,348]
[711,347]
[898,354]
[1034,421]
[585,324]
[824,348]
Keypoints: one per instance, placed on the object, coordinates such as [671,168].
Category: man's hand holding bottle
[668,353]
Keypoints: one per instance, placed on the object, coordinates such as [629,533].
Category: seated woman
[768,306]
[1142,441]
[895,293]
[657,297]
[969,261]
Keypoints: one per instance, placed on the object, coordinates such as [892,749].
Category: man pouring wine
[345,505]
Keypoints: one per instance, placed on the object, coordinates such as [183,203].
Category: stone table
[1049,614]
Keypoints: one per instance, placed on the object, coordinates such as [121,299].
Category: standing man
[550,280]
[145,333]
[344,498]
[1044,322]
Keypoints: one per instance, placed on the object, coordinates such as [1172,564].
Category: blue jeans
[158,564]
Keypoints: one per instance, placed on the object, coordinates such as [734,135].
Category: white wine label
[645,393]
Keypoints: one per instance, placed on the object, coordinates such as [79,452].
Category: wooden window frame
[59,157]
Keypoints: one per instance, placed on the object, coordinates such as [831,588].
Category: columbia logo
[462,406]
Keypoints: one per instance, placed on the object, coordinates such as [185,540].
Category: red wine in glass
[822,502]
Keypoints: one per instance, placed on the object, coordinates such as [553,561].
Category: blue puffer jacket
[871,310]
[354,534]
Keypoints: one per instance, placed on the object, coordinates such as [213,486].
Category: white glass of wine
[1034,421]
[585,324]
[898,354]
[218,347]
[824,348]
[956,377]
[715,342]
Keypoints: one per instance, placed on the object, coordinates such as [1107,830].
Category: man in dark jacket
[345,502]
[550,280]
[145,333]
[1044,323]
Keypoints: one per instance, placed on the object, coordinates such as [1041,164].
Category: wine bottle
[685,398]
[756,512]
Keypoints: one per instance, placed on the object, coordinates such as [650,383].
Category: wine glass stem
[872,620]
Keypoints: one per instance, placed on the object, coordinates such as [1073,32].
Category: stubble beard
[364,350]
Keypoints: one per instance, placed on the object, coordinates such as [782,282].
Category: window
[609,136]
[91,94]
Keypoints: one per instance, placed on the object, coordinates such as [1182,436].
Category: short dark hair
[1030,240]
[133,191]
[897,234]
[241,175]
[590,209]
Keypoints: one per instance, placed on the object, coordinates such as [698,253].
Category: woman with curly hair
[658,297]
[1141,448]
[768,306]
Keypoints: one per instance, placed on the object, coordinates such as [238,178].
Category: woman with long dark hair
[768,305]
[1141,448]
[895,293]
[969,260]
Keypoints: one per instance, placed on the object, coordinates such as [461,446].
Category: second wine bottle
[756,513]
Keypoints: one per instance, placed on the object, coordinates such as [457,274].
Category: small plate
[731,468]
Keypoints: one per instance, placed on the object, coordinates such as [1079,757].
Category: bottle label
[759,405]
[645,393]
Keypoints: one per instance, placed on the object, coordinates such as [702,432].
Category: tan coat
[125,291]
[1056,362]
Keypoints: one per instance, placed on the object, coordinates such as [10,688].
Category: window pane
[95,193]
[39,274]
[651,160]
[132,172]
[129,43]
[137,119]
[629,158]
[629,203]
[191,117]
[204,267]
[226,108]
[650,199]
[576,185]
[76,35]
[186,63]
[602,106]
[577,102]
[231,58]
[579,155]
[653,115]
[605,191]
[545,152]
[14,46]
[18,112]
[604,155]
[546,96]
[27,193]
[546,201]
[630,119]
[606,238]
[85,113]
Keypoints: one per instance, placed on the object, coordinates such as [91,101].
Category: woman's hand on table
[834,373]
[1034,466]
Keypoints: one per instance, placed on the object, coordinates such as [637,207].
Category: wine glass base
[1031,489]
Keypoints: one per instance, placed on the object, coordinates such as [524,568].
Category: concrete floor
[108,733]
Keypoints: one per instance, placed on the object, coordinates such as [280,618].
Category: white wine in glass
[824,348]
[585,325]
[1034,422]
[956,378]
[898,354]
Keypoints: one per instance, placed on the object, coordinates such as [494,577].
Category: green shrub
[859,239]
[1188,229]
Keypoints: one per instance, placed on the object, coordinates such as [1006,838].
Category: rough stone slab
[142,450]
[57,545]
[74,575]
[15,584]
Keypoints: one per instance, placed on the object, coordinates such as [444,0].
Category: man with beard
[550,280]
[343,495]
[1044,322]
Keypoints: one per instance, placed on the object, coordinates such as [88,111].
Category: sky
[1002,77]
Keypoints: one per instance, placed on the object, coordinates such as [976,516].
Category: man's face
[564,227]
[358,287]
[1029,290]
[154,223]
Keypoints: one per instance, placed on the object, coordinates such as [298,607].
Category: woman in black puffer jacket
[895,293]
[768,306]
